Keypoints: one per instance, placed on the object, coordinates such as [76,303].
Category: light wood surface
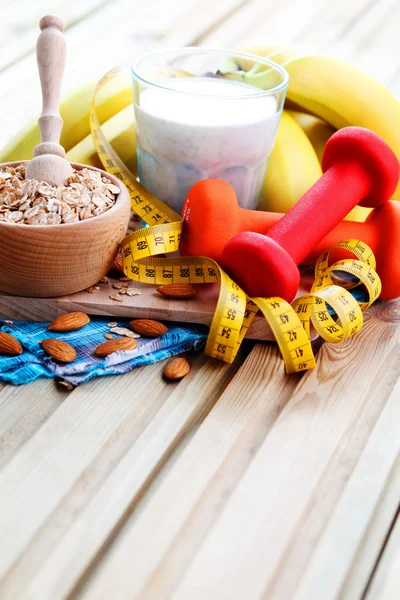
[238,481]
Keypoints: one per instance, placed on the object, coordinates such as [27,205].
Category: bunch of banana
[324,94]
[336,93]
[75,113]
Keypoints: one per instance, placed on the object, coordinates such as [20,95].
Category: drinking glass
[205,114]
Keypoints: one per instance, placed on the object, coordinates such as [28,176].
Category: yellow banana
[338,93]
[277,53]
[293,167]
[342,95]
[75,113]
[319,132]
[120,131]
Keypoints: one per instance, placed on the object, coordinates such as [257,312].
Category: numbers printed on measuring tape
[234,313]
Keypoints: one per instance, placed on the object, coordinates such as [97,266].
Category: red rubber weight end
[363,145]
[260,266]
[210,218]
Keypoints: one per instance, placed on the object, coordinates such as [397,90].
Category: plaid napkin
[34,362]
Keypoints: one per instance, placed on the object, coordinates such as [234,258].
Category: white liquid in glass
[216,129]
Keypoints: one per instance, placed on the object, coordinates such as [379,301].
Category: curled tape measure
[290,324]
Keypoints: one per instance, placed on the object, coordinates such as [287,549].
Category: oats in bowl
[86,194]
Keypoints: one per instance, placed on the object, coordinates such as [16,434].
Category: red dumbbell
[359,168]
[212,217]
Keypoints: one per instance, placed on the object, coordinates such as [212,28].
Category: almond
[59,350]
[9,344]
[123,343]
[176,369]
[178,290]
[118,263]
[69,322]
[148,327]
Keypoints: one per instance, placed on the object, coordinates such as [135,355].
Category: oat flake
[86,194]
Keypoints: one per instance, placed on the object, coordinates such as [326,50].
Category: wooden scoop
[49,163]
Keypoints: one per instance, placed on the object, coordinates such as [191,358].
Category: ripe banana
[293,167]
[120,131]
[340,94]
[277,53]
[317,130]
[75,114]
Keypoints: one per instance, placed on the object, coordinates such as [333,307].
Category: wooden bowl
[55,260]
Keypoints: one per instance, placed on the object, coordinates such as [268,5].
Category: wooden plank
[271,23]
[128,444]
[161,537]
[23,409]
[108,38]
[385,584]
[328,417]
[268,507]
[45,468]
[328,573]
[20,24]
[341,29]
[331,28]
[150,304]
[394,85]
[372,44]
[375,538]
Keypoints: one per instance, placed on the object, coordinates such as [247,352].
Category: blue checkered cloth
[34,362]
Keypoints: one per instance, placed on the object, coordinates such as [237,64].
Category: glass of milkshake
[205,114]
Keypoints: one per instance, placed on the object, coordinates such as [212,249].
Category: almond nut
[118,263]
[9,344]
[178,290]
[148,327]
[176,369]
[59,350]
[69,322]
[123,343]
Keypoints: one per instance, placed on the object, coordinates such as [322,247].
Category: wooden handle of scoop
[51,52]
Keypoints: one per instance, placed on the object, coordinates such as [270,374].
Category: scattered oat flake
[112,324]
[124,278]
[116,286]
[116,298]
[133,292]
[109,336]
[125,332]
[122,291]
[105,279]
[93,289]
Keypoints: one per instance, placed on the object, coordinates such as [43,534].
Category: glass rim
[198,50]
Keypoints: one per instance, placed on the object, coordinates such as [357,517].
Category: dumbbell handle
[321,209]
[196,243]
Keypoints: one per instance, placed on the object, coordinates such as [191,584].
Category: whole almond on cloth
[123,343]
[9,344]
[178,290]
[148,327]
[59,350]
[176,369]
[69,322]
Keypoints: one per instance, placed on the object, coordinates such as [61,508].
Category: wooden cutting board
[149,304]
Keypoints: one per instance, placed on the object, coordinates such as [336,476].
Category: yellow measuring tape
[290,324]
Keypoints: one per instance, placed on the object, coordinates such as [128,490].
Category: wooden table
[239,482]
